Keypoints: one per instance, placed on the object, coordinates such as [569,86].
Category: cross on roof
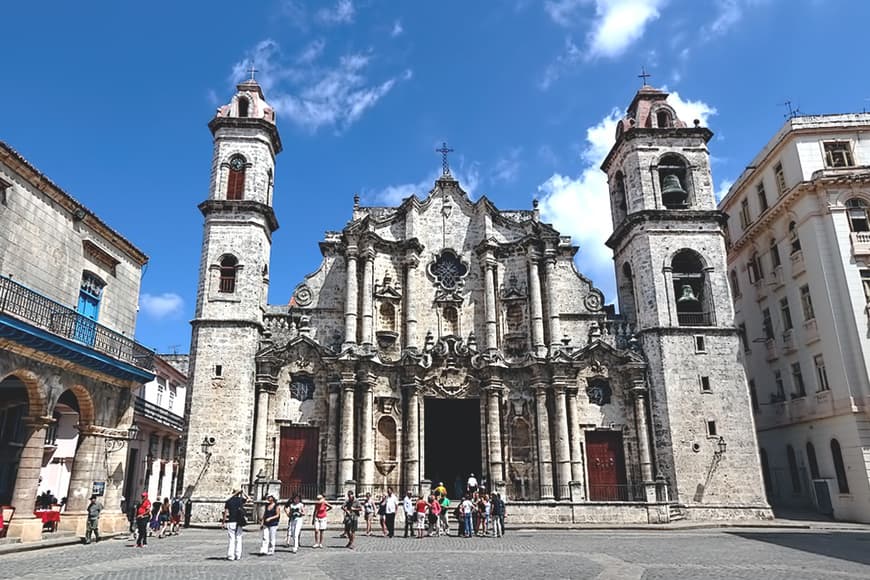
[445,164]
[252,70]
[644,75]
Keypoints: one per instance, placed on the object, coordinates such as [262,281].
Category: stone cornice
[663,215]
[249,123]
[211,206]
[657,134]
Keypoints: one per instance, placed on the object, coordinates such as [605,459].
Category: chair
[8,511]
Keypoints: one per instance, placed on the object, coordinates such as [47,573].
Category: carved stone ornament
[302,389]
[303,295]
[599,391]
[513,290]
[594,301]
[448,270]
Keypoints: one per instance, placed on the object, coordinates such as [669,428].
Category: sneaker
[293,550]
[230,558]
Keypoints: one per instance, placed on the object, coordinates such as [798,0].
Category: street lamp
[115,443]
[721,448]
[207,444]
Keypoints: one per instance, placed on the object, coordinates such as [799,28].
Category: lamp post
[721,447]
[116,443]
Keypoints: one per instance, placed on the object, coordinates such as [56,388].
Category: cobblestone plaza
[601,554]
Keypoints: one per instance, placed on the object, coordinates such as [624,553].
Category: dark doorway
[452,445]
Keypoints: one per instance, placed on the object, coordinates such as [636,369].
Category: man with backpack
[176,512]
[234,522]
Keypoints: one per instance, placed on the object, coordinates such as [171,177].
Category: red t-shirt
[144,508]
[320,510]
[421,506]
[435,507]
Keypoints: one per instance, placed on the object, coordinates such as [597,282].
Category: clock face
[237,163]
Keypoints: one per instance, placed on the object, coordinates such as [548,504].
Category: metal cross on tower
[252,70]
[643,75]
[445,164]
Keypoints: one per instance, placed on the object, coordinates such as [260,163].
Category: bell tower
[669,253]
[231,297]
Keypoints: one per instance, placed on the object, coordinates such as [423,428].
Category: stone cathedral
[446,337]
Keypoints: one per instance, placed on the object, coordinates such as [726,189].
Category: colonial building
[69,288]
[799,265]
[445,337]
[155,460]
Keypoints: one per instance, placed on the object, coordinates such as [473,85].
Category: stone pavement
[610,555]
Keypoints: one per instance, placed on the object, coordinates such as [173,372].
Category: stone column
[261,432]
[545,463]
[345,462]
[576,434]
[366,434]
[367,296]
[332,450]
[563,453]
[536,306]
[412,435]
[88,459]
[493,426]
[411,263]
[489,301]
[552,303]
[350,303]
[644,447]
[28,528]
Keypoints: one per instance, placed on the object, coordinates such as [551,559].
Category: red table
[48,517]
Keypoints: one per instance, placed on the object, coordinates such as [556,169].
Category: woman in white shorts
[320,509]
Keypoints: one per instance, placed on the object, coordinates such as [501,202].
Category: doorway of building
[297,462]
[452,442]
[605,461]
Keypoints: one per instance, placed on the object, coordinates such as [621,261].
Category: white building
[799,265]
[155,458]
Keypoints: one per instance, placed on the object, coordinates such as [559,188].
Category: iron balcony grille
[25,304]
[695,318]
[156,413]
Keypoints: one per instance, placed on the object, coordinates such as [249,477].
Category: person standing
[320,510]
[410,513]
[93,524]
[234,522]
[468,510]
[295,510]
[471,484]
[434,513]
[352,509]
[176,512]
[143,516]
[391,506]
[164,516]
[368,512]
[445,505]
[497,515]
[271,518]
[421,507]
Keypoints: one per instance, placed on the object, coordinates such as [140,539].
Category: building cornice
[228,206]
[249,123]
[663,215]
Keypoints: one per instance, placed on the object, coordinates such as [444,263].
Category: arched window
[811,459]
[663,119]
[794,240]
[857,213]
[775,260]
[627,299]
[243,106]
[755,269]
[839,466]
[673,174]
[387,317]
[227,285]
[236,181]
[619,190]
[386,449]
[450,321]
[690,291]
[765,472]
[793,469]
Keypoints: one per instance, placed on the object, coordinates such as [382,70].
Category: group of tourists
[478,513]
[160,518]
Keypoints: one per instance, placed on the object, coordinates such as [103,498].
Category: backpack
[176,507]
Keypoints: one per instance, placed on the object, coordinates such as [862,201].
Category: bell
[688,294]
[673,193]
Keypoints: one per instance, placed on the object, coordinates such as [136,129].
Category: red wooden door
[605,463]
[297,461]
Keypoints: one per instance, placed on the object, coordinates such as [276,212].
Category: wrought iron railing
[25,304]
[305,490]
[157,413]
[695,318]
[617,492]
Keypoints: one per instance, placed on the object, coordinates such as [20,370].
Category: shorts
[350,525]
[175,519]
[320,524]
[421,521]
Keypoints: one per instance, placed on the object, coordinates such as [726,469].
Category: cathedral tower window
[619,190]
[839,466]
[236,181]
[629,304]
[244,104]
[663,119]
[857,213]
[673,180]
[690,291]
[228,267]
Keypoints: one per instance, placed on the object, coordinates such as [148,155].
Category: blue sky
[111,100]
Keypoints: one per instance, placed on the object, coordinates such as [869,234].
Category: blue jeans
[468,529]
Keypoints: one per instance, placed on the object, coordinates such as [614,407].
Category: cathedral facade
[446,337]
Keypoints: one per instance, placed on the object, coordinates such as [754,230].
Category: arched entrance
[452,442]
[14,409]
[61,443]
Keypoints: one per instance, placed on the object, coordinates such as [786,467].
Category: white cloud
[562,12]
[619,24]
[342,13]
[688,110]
[722,190]
[468,177]
[313,94]
[571,55]
[728,14]
[168,304]
[507,168]
[398,29]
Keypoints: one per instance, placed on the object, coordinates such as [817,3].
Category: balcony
[777,280]
[695,318]
[860,243]
[158,414]
[772,354]
[55,328]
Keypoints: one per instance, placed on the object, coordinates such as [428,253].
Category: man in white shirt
[391,506]
[410,513]
[471,485]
